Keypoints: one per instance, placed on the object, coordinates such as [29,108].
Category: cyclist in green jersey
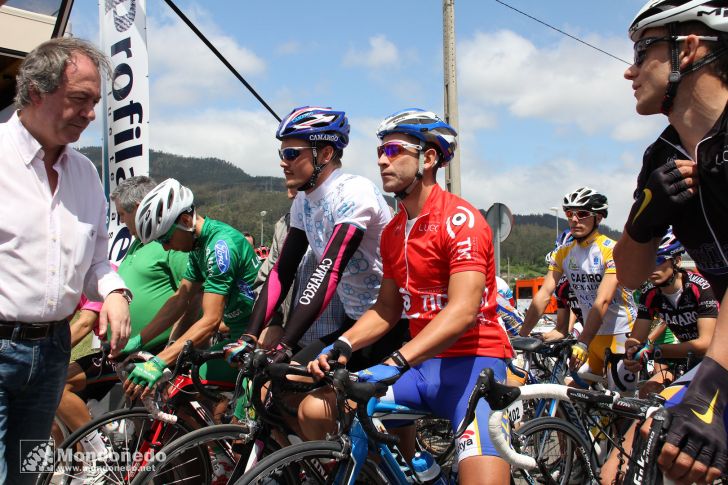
[222,267]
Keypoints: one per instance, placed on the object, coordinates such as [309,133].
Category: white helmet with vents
[659,13]
[588,199]
[161,207]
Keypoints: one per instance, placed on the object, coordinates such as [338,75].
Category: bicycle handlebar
[500,396]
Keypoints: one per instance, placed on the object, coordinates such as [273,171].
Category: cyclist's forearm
[83,326]
[439,334]
[200,334]
[698,347]
[640,330]
[593,322]
[634,261]
[321,285]
[278,282]
[372,326]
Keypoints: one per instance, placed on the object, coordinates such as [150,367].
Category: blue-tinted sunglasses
[290,154]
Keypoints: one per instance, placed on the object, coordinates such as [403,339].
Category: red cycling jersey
[449,236]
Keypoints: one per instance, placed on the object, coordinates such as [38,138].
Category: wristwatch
[125,293]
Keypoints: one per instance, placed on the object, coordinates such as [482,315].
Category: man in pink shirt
[53,243]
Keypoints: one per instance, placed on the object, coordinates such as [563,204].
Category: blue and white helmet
[315,124]
[669,247]
[426,126]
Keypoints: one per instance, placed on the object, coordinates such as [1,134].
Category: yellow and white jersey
[585,263]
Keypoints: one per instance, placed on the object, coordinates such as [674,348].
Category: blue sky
[540,114]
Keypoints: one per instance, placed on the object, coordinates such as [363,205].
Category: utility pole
[452,171]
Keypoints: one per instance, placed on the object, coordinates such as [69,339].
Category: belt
[28,331]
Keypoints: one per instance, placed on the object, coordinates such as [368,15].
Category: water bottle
[427,470]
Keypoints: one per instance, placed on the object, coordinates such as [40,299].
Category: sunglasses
[641,46]
[168,236]
[393,149]
[580,214]
[290,154]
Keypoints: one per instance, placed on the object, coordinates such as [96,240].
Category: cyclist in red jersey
[437,256]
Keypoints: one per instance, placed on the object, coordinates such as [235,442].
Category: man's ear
[689,51]
[186,219]
[432,158]
[34,94]
[327,153]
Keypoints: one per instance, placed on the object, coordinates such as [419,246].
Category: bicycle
[344,457]
[546,449]
[132,436]
[241,445]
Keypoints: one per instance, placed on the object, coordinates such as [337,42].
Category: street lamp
[262,215]
[556,215]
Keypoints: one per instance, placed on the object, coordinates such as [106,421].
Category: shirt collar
[432,199]
[28,146]
[588,241]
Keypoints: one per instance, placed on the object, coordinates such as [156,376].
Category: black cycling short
[100,375]
[362,358]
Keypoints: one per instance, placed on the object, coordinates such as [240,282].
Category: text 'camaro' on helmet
[316,124]
[160,208]
[661,13]
[426,126]
[586,198]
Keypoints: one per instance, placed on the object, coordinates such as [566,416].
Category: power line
[221,57]
[562,32]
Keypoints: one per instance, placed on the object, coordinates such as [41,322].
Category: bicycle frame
[392,464]
[151,441]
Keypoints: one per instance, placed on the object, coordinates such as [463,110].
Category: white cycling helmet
[662,12]
[671,13]
[588,199]
[160,209]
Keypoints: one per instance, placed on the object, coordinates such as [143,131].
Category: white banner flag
[125,150]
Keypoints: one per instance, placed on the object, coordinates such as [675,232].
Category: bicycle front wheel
[312,462]
[215,454]
[122,440]
[560,450]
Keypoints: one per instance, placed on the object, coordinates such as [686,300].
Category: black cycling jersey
[565,297]
[699,224]
[696,301]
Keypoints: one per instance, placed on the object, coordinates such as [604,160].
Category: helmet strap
[588,235]
[671,279]
[676,74]
[402,194]
[316,171]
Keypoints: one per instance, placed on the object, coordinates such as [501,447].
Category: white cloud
[382,52]
[244,138]
[287,48]
[183,71]
[564,83]
[534,189]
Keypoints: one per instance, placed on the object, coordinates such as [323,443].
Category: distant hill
[222,190]
[225,192]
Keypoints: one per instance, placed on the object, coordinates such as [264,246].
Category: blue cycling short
[442,386]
